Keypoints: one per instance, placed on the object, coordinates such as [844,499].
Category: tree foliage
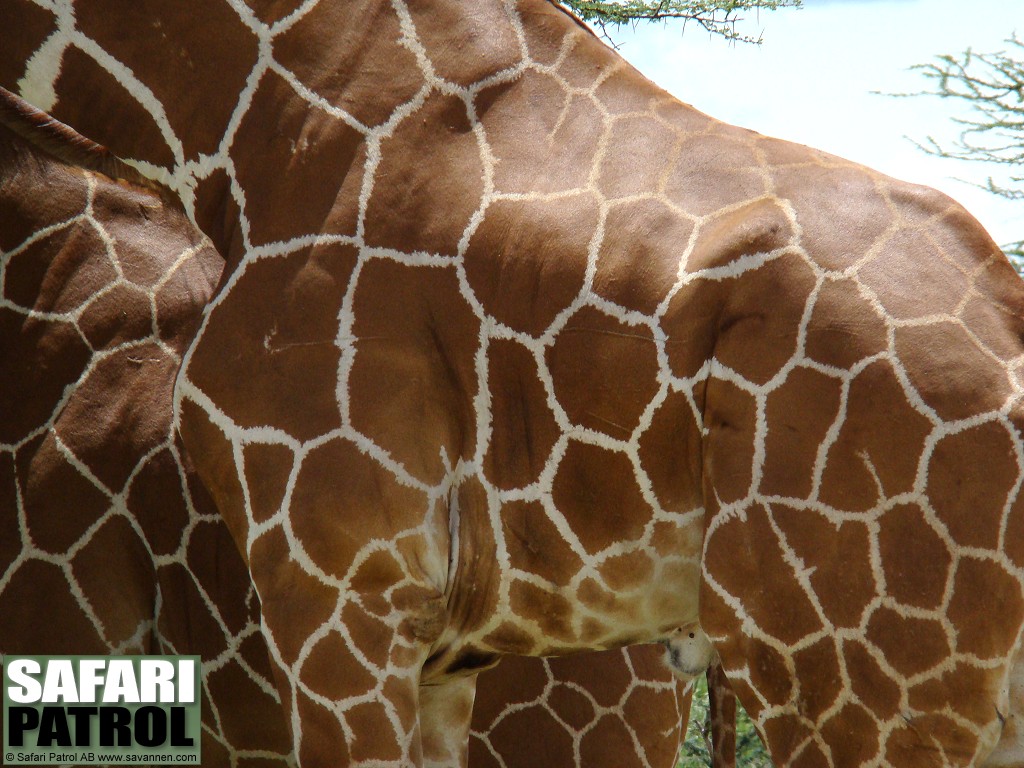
[716,16]
[991,86]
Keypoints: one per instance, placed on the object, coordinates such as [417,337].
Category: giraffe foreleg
[446,710]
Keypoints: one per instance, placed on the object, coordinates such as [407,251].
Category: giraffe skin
[103,284]
[109,543]
[578,365]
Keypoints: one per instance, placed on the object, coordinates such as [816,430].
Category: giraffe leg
[446,711]
[722,705]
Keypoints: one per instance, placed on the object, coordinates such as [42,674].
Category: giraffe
[114,535]
[109,543]
[579,365]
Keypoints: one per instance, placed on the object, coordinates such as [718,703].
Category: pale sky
[811,81]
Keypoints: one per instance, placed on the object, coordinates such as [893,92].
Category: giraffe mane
[46,134]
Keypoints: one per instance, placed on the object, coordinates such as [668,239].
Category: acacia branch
[716,16]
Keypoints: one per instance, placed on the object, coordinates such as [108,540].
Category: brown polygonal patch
[691,324]
[29,393]
[214,560]
[539,148]
[218,215]
[608,690]
[59,503]
[817,670]
[294,603]
[729,420]
[910,645]
[370,635]
[281,321]
[333,671]
[950,372]
[624,573]
[670,454]
[589,61]
[644,241]
[510,638]
[608,736]
[373,735]
[246,727]
[550,611]
[744,554]
[535,545]
[157,502]
[604,372]
[661,741]
[109,108]
[755,228]
[180,300]
[852,736]
[641,143]
[915,559]
[526,674]
[768,671]
[547,32]
[116,573]
[756,338]
[431,208]
[986,609]
[307,152]
[835,237]
[359,63]
[626,90]
[34,25]
[120,315]
[844,327]
[215,462]
[507,738]
[571,706]
[10,535]
[912,279]
[414,378]
[322,740]
[965,689]
[465,45]
[970,476]
[876,690]
[810,755]
[715,169]
[523,266]
[186,617]
[800,413]
[127,394]
[784,733]
[523,429]
[596,491]
[839,558]
[207,53]
[881,429]
[59,272]
[28,630]
[929,741]
[377,574]
[1014,546]
[267,468]
[148,233]
[332,520]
